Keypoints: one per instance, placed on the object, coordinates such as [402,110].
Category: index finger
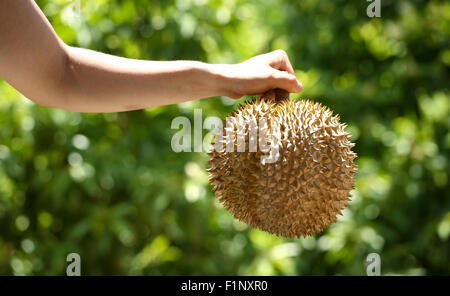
[280,61]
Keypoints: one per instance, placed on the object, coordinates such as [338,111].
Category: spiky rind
[306,188]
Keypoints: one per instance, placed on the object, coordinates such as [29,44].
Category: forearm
[97,82]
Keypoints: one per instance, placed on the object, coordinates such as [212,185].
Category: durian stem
[281,94]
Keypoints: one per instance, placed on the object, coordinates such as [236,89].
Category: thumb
[286,81]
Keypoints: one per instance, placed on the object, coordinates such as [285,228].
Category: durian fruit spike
[308,185]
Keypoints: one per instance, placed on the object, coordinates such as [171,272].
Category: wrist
[221,78]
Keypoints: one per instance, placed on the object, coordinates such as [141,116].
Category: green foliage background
[109,187]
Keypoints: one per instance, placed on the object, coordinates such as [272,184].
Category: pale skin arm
[44,69]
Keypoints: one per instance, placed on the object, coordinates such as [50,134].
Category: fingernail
[299,86]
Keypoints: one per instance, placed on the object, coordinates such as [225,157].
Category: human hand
[260,74]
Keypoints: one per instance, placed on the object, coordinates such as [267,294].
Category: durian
[308,184]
